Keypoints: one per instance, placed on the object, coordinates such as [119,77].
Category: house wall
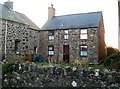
[102,45]
[0,40]
[74,42]
[27,36]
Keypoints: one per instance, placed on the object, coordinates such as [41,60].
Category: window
[66,34]
[83,34]
[17,46]
[83,51]
[51,35]
[35,50]
[50,50]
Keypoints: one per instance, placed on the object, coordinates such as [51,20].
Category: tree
[113,61]
[111,50]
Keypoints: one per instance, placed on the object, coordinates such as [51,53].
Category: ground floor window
[83,51]
[35,50]
[17,46]
[51,50]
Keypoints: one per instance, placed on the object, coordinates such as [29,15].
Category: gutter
[5,38]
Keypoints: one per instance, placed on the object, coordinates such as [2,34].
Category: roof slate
[9,14]
[82,20]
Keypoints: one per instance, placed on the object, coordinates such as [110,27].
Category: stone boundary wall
[29,75]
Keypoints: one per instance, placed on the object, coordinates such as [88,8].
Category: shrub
[84,62]
[76,63]
[111,50]
[13,58]
[7,67]
[113,61]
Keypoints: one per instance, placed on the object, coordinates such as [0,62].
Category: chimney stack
[51,12]
[9,4]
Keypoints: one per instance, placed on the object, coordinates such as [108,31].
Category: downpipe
[6,22]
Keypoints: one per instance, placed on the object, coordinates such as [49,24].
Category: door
[66,53]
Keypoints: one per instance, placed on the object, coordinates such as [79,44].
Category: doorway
[66,53]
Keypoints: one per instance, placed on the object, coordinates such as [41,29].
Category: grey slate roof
[83,20]
[9,14]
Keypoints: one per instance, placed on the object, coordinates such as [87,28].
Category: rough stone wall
[43,44]
[92,43]
[102,44]
[74,42]
[28,38]
[0,40]
[30,75]
[74,37]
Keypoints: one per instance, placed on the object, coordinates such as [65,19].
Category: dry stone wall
[25,75]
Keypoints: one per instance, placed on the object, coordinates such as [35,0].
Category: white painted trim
[6,38]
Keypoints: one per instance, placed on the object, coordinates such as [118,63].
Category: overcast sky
[37,11]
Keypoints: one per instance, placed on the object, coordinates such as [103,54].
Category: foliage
[111,50]
[7,67]
[76,63]
[95,66]
[113,61]
[84,62]
[13,58]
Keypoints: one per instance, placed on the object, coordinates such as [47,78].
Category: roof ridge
[17,17]
[79,13]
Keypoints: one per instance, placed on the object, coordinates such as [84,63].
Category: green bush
[111,50]
[76,63]
[113,61]
[7,67]
[13,58]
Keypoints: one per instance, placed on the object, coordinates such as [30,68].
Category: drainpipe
[5,38]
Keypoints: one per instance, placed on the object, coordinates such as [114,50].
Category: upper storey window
[66,35]
[51,35]
[83,34]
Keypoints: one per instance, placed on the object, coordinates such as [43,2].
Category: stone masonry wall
[0,40]
[102,44]
[27,76]
[28,37]
[74,42]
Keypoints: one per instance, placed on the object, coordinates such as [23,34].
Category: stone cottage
[17,32]
[74,36]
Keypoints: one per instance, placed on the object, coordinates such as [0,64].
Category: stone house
[17,32]
[74,36]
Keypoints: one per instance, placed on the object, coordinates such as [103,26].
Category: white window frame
[83,50]
[50,50]
[50,35]
[66,34]
[83,34]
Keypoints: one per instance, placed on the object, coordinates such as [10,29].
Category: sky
[37,11]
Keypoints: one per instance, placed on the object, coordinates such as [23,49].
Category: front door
[66,53]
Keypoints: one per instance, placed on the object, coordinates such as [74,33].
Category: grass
[101,67]
[46,64]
